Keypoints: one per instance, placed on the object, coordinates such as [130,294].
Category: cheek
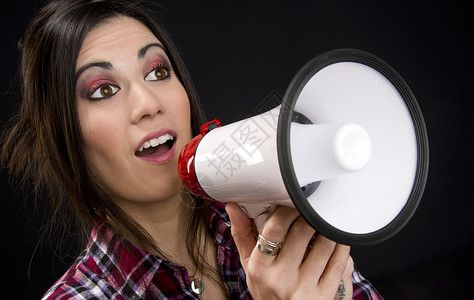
[184,113]
[101,146]
[187,129]
[101,135]
[178,110]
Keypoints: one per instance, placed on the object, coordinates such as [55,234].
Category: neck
[165,221]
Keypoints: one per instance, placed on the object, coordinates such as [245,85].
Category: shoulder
[106,269]
[82,280]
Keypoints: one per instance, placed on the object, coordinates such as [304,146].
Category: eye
[158,73]
[103,91]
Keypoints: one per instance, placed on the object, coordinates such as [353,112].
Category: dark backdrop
[242,53]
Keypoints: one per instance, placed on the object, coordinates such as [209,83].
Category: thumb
[242,230]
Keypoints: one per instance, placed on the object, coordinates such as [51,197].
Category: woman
[107,105]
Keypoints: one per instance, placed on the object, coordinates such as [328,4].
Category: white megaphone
[347,147]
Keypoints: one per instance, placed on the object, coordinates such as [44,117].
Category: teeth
[156,141]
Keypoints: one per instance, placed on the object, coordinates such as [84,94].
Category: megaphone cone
[347,147]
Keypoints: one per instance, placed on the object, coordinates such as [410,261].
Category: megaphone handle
[258,212]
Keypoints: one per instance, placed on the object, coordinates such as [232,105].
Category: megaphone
[347,147]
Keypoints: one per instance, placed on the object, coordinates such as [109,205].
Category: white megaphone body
[347,147]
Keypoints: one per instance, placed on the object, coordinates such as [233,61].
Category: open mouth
[156,146]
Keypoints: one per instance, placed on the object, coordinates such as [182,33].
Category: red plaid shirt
[135,274]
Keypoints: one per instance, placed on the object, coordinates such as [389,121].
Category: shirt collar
[128,266]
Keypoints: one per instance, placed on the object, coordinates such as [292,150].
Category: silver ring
[268,247]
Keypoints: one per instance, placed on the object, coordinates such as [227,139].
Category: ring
[312,240]
[268,247]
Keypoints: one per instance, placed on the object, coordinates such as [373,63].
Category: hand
[344,290]
[294,273]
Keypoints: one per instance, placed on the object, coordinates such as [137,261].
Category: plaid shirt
[136,274]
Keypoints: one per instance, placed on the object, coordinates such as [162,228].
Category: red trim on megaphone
[186,170]
[209,126]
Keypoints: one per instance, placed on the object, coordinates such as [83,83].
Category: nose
[144,102]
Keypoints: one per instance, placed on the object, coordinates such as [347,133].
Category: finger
[345,290]
[276,227]
[296,242]
[242,232]
[277,224]
[349,269]
[318,257]
[334,271]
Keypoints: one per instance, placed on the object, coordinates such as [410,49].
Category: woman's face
[133,111]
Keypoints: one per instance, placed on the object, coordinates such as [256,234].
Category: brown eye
[161,73]
[158,73]
[103,92]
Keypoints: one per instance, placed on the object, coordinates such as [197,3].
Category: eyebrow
[102,64]
[141,53]
[108,66]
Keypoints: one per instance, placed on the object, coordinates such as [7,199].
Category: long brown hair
[43,143]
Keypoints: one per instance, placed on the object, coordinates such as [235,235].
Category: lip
[161,158]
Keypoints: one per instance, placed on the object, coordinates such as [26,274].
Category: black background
[240,54]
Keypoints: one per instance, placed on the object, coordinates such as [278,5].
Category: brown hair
[43,145]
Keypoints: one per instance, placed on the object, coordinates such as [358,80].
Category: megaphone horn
[347,147]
